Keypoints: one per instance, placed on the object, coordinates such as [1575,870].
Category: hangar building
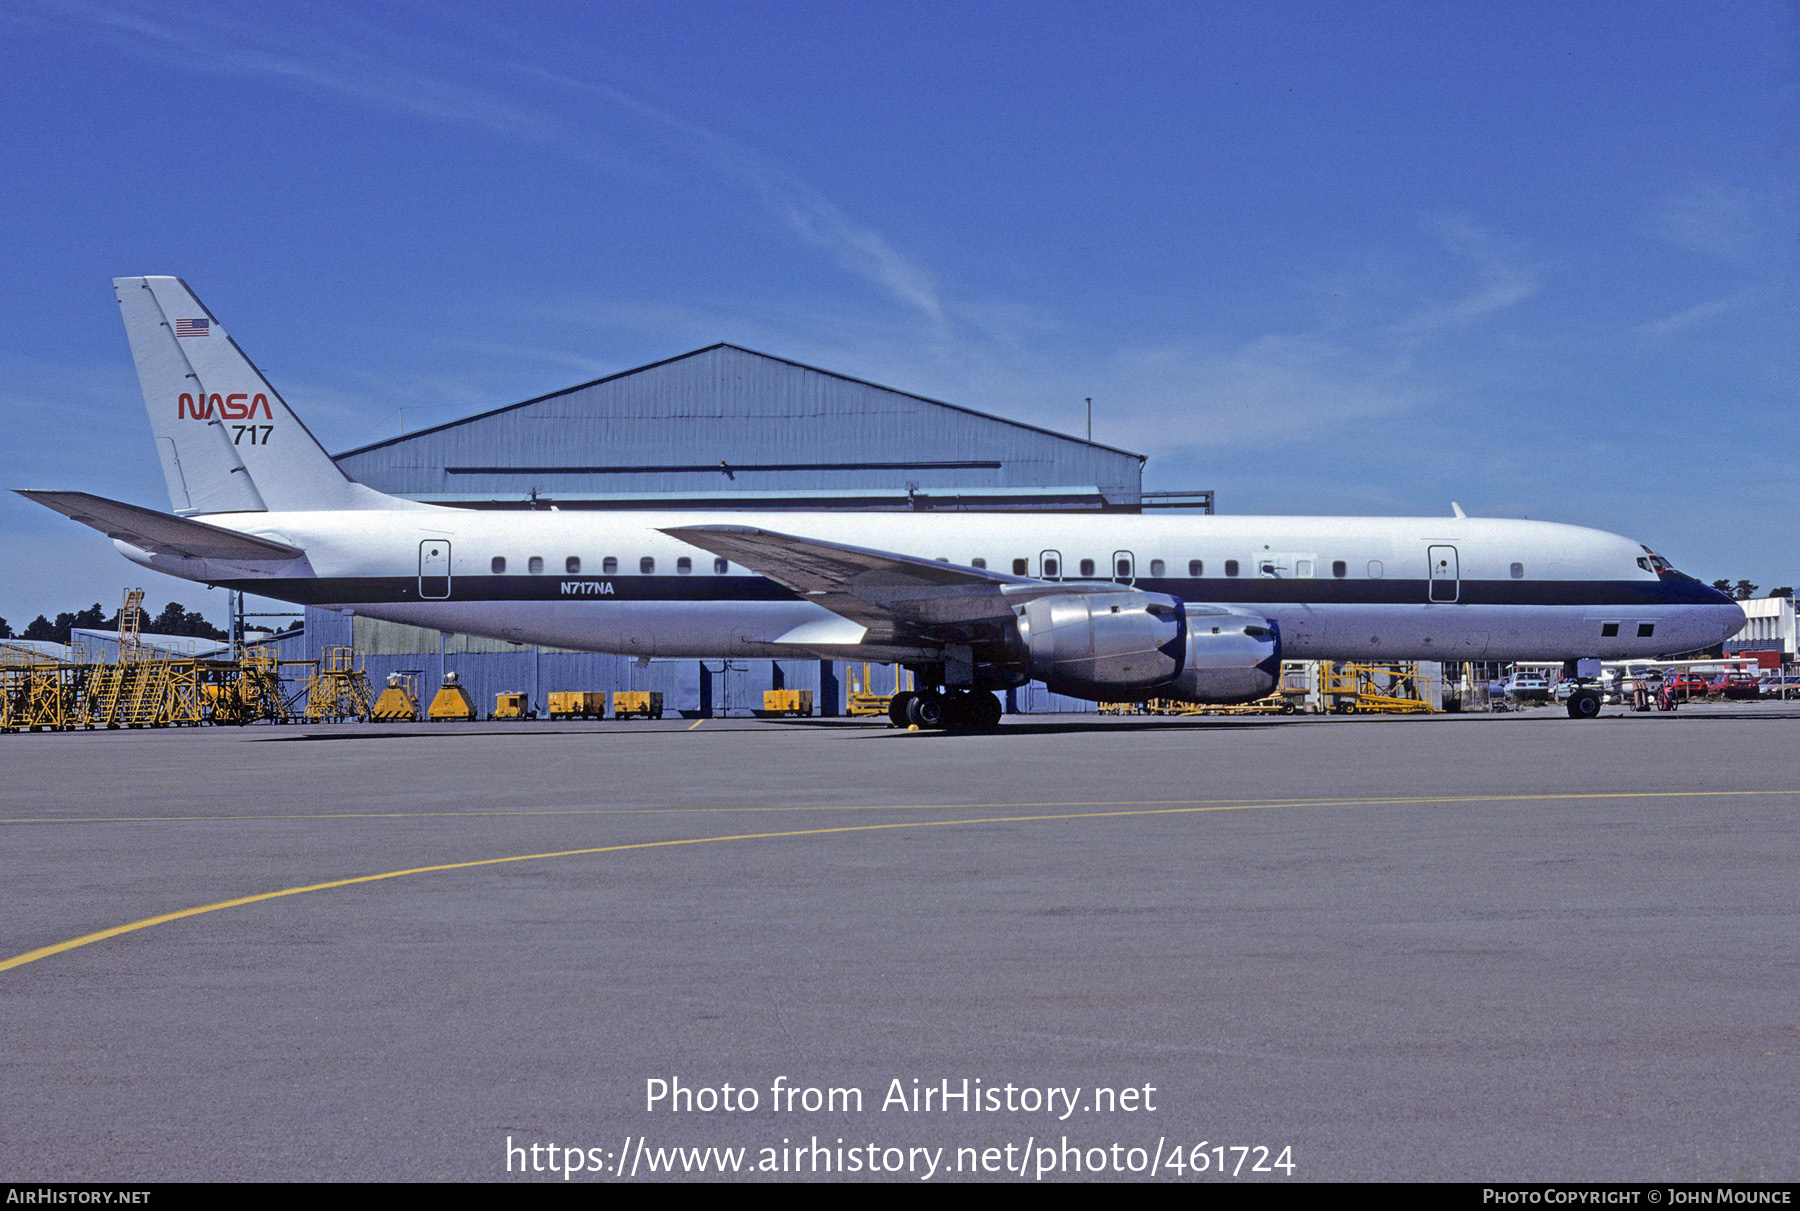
[724,427]
[721,427]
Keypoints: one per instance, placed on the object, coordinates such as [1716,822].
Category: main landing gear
[957,710]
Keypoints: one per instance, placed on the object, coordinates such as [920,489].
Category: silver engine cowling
[1231,656]
[1103,645]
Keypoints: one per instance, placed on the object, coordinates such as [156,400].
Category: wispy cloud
[336,55]
[1501,281]
[1698,315]
[805,212]
[353,60]
[1716,220]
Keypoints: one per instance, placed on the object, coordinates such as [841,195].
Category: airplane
[1108,607]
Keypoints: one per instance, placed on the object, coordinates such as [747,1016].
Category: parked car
[1683,684]
[1779,685]
[1738,684]
[1528,687]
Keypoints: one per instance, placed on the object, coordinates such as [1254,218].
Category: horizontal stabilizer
[160,533]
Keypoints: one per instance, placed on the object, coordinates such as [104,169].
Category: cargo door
[434,569]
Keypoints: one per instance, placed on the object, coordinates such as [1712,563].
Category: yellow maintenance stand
[1373,689]
[339,690]
[451,704]
[864,700]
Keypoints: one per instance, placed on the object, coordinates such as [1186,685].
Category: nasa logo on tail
[227,407]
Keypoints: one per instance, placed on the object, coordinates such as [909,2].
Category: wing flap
[161,533]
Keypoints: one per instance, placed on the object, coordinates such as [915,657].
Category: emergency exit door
[1445,577]
[434,569]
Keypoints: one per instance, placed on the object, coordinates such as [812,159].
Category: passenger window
[1609,630]
[647,565]
[978,563]
[1375,569]
[1231,567]
[1020,566]
[1646,630]
[1339,569]
[572,565]
[536,565]
[1123,569]
[683,566]
[610,565]
[720,566]
[499,564]
[1087,567]
[1051,568]
[1518,571]
[1156,567]
[1196,566]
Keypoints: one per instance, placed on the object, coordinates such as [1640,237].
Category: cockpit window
[1662,567]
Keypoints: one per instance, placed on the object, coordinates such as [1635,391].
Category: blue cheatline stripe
[352,590]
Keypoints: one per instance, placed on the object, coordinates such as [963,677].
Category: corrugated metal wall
[698,688]
[774,424]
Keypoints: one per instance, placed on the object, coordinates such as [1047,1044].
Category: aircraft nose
[1731,618]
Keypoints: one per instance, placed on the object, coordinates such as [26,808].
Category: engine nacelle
[1231,656]
[1104,645]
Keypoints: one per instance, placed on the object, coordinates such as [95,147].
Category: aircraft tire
[927,709]
[898,707]
[1584,704]
[987,712]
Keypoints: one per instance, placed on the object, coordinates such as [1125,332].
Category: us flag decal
[192,327]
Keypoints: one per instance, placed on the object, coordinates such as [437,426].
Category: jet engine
[1231,656]
[1103,645]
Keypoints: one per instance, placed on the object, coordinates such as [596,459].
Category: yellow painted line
[32,956]
[1364,801]
[697,723]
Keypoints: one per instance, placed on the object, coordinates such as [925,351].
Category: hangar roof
[727,425]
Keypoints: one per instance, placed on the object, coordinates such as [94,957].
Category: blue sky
[1323,258]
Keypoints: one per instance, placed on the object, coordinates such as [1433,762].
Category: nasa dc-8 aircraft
[1098,606]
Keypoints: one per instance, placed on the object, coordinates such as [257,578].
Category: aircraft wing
[895,596]
[162,533]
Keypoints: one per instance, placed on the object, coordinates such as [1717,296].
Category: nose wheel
[1584,704]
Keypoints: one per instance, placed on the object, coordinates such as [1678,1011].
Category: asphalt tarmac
[1514,947]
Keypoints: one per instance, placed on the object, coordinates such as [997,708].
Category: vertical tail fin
[228,441]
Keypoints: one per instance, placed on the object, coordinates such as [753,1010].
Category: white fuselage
[1338,588]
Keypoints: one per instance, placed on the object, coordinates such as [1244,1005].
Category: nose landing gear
[1584,703]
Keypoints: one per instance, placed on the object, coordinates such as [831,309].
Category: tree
[1724,586]
[1784,591]
[1743,590]
[5,630]
[177,619]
